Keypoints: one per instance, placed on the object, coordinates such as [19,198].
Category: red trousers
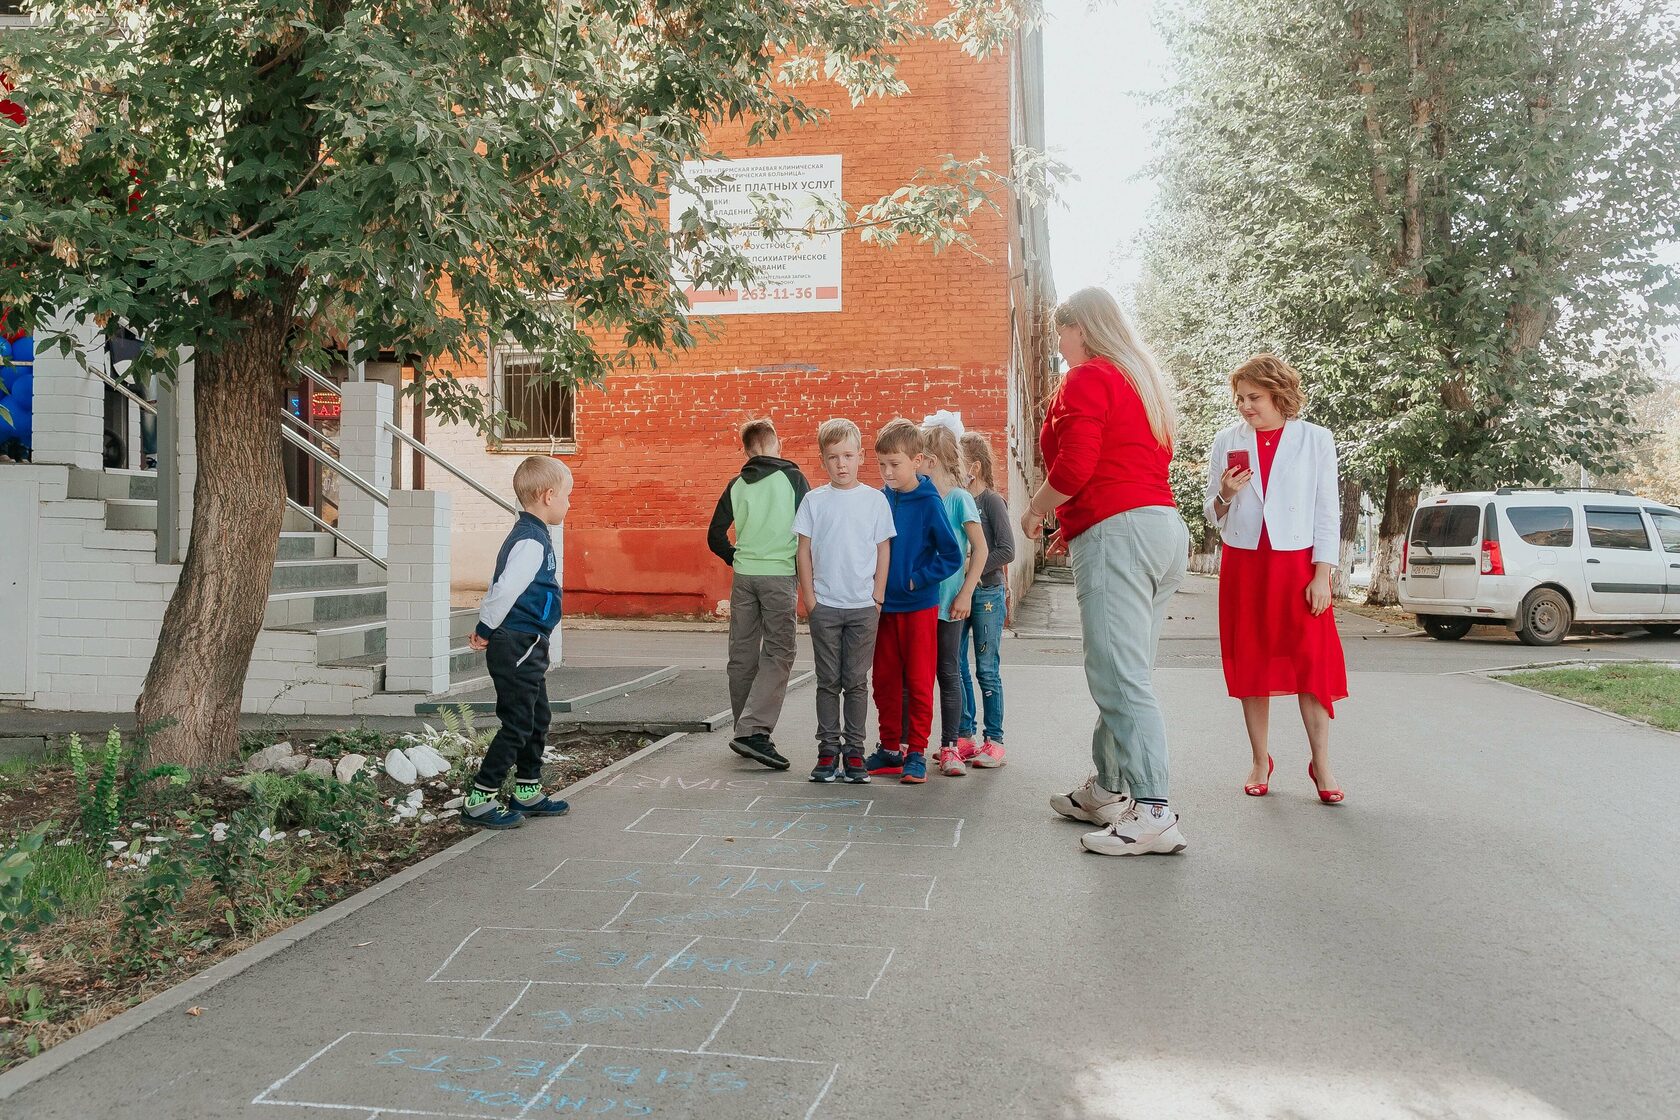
[906,665]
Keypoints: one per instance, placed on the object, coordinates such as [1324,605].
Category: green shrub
[104,802]
[23,910]
[360,740]
[149,933]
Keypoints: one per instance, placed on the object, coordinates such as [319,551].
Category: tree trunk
[1341,584]
[1205,560]
[1399,503]
[197,676]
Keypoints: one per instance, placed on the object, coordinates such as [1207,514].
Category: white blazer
[1302,508]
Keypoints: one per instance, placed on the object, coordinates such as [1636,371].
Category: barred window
[545,410]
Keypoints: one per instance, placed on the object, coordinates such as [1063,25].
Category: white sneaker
[1140,830]
[1091,802]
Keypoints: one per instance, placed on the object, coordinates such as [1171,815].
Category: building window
[544,410]
[11,7]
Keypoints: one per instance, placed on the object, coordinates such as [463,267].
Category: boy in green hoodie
[760,504]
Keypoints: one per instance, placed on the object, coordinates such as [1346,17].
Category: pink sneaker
[988,756]
[951,763]
[966,749]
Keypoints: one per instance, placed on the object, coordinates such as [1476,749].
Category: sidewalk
[705,938]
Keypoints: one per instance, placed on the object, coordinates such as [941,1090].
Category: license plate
[1426,571]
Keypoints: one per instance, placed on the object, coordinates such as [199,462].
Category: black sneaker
[827,769]
[759,748]
[856,772]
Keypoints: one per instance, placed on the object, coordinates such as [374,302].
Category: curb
[1507,681]
[189,989]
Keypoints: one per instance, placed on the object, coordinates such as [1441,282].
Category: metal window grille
[544,411]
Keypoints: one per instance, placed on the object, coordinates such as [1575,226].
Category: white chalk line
[509,1010]
[541,1093]
[258,1099]
[606,926]
[668,959]
[823,1092]
[800,913]
[739,996]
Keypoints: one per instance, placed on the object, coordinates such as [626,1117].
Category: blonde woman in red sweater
[1107,442]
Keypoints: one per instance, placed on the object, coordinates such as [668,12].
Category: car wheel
[1545,618]
[1663,630]
[1445,629]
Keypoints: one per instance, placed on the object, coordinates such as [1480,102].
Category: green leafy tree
[1446,214]
[264,182]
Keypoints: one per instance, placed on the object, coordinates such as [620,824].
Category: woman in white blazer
[1272,491]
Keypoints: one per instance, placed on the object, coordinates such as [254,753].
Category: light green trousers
[1126,569]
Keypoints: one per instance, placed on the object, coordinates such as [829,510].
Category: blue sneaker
[531,801]
[884,761]
[827,769]
[856,772]
[491,814]
[915,768]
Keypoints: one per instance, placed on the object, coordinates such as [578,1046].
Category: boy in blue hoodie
[924,552]
[520,611]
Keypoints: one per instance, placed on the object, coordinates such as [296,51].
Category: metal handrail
[124,390]
[333,532]
[322,436]
[450,467]
[343,471]
[323,382]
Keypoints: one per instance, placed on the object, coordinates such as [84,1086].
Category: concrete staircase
[324,626]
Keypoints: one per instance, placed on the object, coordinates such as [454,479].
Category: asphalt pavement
[1485,929]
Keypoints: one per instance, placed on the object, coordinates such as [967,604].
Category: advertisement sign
[796,274]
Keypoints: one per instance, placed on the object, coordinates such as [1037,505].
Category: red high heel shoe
[1328,796]
[1259,789]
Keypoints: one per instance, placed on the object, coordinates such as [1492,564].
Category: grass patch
[1645,692]
[72,875]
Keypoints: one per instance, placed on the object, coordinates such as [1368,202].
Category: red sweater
[1098,447]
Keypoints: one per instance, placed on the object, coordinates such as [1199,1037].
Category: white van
[1538,561]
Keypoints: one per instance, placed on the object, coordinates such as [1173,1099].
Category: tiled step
[302,575]
[305,546]
[323,604]
[131,513]
[107,484]
[354,639]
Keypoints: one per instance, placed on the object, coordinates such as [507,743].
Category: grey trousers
[950,682]
[843,643]
[761,649]
[1125,570]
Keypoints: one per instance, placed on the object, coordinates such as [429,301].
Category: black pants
[518,668]
[950,685]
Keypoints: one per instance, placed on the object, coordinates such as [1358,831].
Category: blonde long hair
[1109,333]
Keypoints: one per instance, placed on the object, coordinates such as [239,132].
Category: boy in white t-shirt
[845,531]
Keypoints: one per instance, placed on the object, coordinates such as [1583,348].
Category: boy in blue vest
[520,611]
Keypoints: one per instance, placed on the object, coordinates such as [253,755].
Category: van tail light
[1493,561]
[1405,555]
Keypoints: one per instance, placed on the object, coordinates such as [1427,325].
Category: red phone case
[1236,460]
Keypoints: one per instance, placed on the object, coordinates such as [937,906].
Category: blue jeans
[985,625]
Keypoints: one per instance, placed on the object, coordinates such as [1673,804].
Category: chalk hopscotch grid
[845,846]
[927,899]
[798,820]
[886,963]
[868,803]
[702,1052]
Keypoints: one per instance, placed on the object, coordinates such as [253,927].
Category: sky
[1098,61]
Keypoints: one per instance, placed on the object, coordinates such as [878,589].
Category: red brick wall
[919,332]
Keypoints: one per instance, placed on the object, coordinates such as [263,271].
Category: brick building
[917,332]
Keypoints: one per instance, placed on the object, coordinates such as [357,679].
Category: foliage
[72,874]
[440,174]
[149,934]
[23,910]
[1446,215]
[343,811]
[357,740]
[104,803]
[1653,451]
[460,740]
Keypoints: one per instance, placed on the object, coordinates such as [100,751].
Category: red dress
[1268,638]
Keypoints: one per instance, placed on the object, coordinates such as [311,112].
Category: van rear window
[1544,526]
[1447,526]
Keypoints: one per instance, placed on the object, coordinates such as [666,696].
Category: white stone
[416,798]
[427,761]
[455,803]
[349,766]
[320,767]
[398,766]
[280,757]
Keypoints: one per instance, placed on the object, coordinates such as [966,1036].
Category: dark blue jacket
[524,594]
[925,550]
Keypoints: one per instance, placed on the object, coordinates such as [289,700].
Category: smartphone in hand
[1237,461]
